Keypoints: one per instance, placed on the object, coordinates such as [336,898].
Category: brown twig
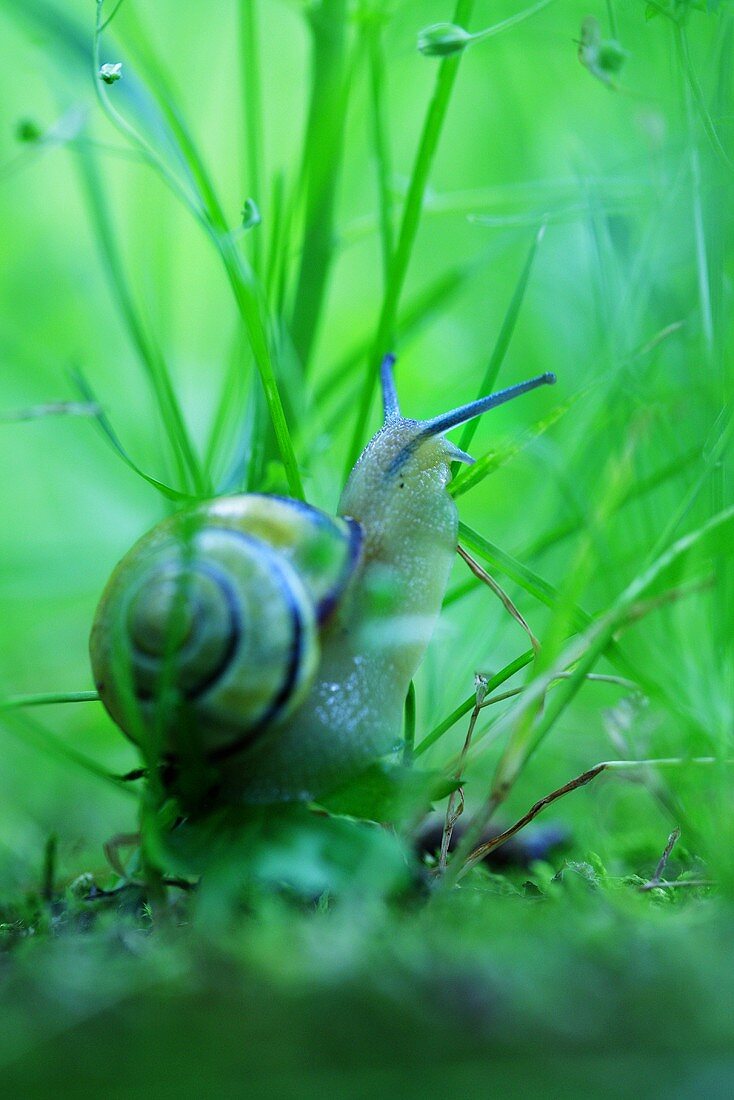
[507,603]
[455,807]
[657,878]
[663,861]
[490,845]
[479,853]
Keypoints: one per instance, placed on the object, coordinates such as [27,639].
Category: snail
[274,644]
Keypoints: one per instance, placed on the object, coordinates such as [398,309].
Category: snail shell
[208,632]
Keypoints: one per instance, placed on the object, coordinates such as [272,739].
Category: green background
[629,302]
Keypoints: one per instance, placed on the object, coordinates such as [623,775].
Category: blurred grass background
[628,302]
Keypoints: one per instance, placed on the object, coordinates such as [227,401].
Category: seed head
[443,39]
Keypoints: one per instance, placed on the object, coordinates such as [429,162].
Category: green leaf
[389,793]
[290,849]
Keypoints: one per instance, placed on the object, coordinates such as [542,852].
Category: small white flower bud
[111,72]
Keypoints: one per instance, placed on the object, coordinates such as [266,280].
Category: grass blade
[50,409]
[456,715]
[246,289]
[472,476]
[253,116]
[112,438]
[697,96]
[531,582]
[49,698]
[33,733]
[380,136]
[185,458]
[583,653]
[503,340]
[323,150]
[385,334]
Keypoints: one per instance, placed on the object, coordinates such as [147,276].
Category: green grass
[489,215]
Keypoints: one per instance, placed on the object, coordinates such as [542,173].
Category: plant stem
[494,682]
[509,606]
[455,806]
[459,867]
[695,96]
[378,79]
[323,144]
[209,214]
[663,861]
[479,853]
[33,733]
[704,290]
[188,467]
[49,698]
[385,334]
[511,21]
[503,339]
[253,118]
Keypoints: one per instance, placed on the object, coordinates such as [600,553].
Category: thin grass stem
[188,467]
[385,334]
[209,214]
[699,229]
[455,805]
[380,138]
[49,698]
[249,39]
[323,148]
[695,94]
[33,733]
[504,337]
[461,863]
[511,21]
[456,715]
[507,603]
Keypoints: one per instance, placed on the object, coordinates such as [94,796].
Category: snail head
[415,446]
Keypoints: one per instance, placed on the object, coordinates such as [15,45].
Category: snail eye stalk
[390,403]
[443,423]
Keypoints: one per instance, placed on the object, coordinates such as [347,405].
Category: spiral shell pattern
[207,634]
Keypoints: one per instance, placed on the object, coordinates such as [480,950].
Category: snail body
[275,643]
[225,603]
